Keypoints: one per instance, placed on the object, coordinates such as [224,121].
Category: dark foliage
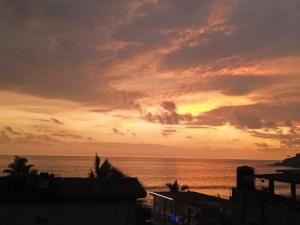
[175,187]
[105,170]
[20,167]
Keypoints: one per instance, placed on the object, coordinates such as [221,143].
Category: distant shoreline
[149,157]
[293,162]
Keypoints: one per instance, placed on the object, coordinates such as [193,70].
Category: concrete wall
[72,213]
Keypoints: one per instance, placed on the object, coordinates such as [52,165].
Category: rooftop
[285,176]
[196,199]
[69,189]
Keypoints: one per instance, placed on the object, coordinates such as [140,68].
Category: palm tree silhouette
[20,167]
[105,170]
[175,187]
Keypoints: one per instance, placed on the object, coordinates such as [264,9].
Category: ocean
[209,176]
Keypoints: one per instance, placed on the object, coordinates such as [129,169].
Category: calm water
[204,175]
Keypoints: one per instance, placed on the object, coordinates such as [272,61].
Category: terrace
[291,177]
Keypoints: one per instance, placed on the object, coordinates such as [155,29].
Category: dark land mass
[290,162]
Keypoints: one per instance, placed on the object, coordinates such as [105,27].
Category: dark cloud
[68,135]
[203,121]
[262,145]
[27,138]
[234,84]
[168,132]
[52,120]
[56,121]
[122,116]
[31,138]
[155,24]
[191,126]
[128,104]
[255,116]
[53,49]
[117,131]
[163,118]
[258,32]
[101,110]
[13,136]
[65,49]
[169,106]
[246,117]
[288,140]
[10,130]
[167,115]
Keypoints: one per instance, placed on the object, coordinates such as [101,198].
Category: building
[248,205]
[189,208]
[254,206]
[47,200]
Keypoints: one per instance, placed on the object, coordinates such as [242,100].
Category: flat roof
[286,176]
[196,199]
[71,189]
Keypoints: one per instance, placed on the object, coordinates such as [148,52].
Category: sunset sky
[155,78]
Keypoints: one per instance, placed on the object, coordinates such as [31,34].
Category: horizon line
[153,157]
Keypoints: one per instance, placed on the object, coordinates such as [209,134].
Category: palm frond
[175,187]
[105,170]
[8,171]
[91,174]
[184,188]
[19,166]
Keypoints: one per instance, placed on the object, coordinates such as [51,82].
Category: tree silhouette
[20,167]
[105,170]
[175,187]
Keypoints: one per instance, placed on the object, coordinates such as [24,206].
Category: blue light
[174,218]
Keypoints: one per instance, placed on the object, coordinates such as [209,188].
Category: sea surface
[210,176]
